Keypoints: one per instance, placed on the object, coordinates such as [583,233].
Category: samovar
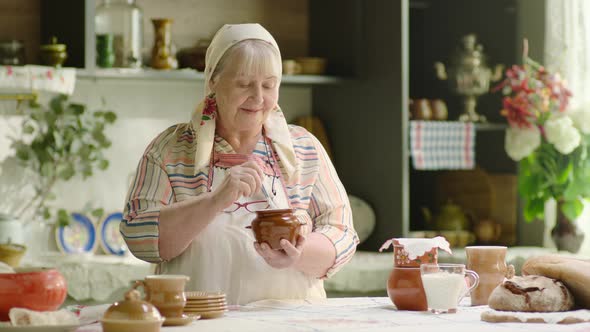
[469,76]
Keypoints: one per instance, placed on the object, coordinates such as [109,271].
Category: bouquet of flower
[551,142]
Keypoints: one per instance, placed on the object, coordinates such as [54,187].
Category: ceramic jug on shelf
[449,218]
[487,231]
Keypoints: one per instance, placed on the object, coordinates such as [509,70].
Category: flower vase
[164,51]
[566,234]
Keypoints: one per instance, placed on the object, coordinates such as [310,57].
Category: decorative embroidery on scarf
[210,109]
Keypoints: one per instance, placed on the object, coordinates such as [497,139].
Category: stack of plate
[205,304]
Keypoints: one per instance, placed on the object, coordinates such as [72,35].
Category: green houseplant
[552,145]
[57,142]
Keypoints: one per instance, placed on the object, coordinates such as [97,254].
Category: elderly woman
[198,184]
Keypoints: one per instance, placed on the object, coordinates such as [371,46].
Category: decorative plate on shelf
[111,240]
[77,237]
[363,217]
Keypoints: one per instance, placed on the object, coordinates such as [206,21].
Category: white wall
[144,108]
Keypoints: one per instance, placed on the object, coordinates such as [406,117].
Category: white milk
[443,289]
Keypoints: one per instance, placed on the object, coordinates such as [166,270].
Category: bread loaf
[574,273]
[531,294]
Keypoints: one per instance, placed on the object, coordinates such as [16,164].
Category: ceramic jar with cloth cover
[404,285]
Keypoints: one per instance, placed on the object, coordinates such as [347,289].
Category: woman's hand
[242,180]
[281,259]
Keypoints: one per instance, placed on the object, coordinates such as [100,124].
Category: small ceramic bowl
[11,254]
[312,65]
[132,315]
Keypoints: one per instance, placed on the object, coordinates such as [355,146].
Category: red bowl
[41,289]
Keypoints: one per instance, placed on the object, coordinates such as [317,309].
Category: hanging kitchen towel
[37,78]
[442,145]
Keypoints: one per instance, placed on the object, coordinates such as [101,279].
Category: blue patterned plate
[111,240]
[77,237]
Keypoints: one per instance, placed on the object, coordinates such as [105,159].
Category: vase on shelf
[163,52]
[566,234]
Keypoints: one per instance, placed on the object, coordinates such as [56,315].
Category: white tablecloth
[351,314]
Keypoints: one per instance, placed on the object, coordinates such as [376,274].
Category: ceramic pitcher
[404,286]
[489,263]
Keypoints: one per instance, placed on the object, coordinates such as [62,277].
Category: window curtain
[567,50]
[567,38]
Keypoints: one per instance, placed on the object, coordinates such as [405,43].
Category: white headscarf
[228,36]
[275,126]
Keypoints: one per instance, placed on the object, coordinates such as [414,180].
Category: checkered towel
[442,145]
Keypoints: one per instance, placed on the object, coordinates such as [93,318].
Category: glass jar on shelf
[122,20]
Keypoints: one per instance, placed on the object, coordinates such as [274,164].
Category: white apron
[222,257]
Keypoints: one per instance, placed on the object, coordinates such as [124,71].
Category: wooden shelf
[192,75]
[491,126]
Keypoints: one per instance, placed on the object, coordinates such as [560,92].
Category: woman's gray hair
[254,56]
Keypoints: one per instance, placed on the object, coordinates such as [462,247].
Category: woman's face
[244,101]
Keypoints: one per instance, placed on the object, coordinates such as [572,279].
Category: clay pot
[405,289]
[420,109]
[194,57]
[42,289]
[404,285]
[271,226]
[439,110]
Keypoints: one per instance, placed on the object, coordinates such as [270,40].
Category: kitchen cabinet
[436,32]
[395,45]
[380,52]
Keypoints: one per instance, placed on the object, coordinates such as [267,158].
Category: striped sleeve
[150,190]
[330,210]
